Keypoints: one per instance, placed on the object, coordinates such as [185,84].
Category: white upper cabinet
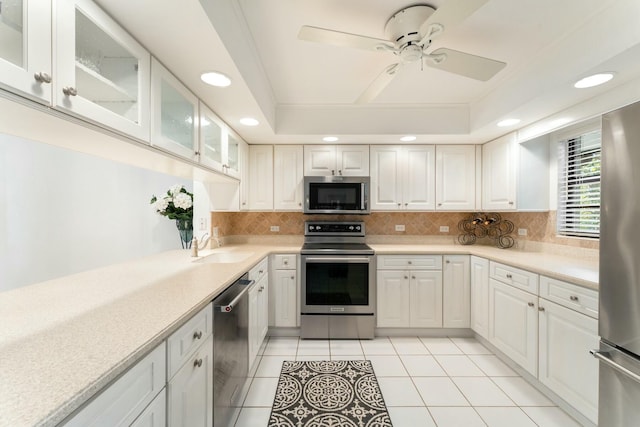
[456,177]
[287,177]
[327,160]
[261,177]
[101,72]
[499,166]
[25,48]
[402,177]
[175,114]
[219,147]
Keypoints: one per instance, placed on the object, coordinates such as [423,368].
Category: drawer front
[409,262]
[569,295]
[284,262]
[513,276]
[186,340]
[261,269]
[121,402]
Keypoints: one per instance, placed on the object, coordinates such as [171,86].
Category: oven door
[338,284]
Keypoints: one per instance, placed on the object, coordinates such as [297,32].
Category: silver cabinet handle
[573,298]
[339,171]
[399,204]
[413,277]
[511,203]
[540,308]
[197,363]
[530,304]
[409,262]
[439,204]
[42,77]
[448,261]
[292,277]
[69,91]
[197,335]
[603,356]
[260,271]
[285,262]
[333,172]
[406,204]
[509,276]
[406,277]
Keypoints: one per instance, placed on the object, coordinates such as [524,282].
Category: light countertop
[63,340]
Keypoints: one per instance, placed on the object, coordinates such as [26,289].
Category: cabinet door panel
[426,299]
[499,174]
[285,298]
[566,366]
[287,177]
[455,177]
[25,47]
[386,185]
[480,296]
[155,415]
[456,292]
[190,401]
[393,299]
[319,160]
[419,178]
[513,324]
[352,160]
[261,177]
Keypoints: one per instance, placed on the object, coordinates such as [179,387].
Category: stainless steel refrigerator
[619,324]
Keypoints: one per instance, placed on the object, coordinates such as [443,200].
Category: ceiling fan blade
[464,64]
[451,13]
[378,85]
[337,38]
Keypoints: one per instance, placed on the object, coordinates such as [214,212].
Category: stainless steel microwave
[336,195]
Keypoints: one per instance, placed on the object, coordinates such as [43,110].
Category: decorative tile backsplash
[540,226]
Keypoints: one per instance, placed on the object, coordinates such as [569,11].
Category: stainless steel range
[338,296]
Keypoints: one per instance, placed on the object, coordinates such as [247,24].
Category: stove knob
[357,228]
[317,227]
[351,227]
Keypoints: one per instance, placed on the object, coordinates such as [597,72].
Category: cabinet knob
[399,204]
[448,261]
[409,262]
[406,277]
[197,363]
[573,298]
[511,203]
[244,203]
[339,171]
[439,204]
[540,308]
[42,77]
[299,204]
[69,91]
[413,277]
[292,277]
[333,172]
[406,204]
[260,271]
[197,153]
[530,304]
[197,335]
[285,262]
[509,276]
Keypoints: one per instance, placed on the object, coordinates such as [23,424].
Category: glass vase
[185,228]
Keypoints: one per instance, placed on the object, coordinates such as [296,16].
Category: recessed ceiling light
[508,122]
[594,80]
[249,121]
[330,138]
[215,78]
[408,138]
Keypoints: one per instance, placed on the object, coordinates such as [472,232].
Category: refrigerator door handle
[604,357]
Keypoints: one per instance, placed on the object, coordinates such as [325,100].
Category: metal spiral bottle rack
[486,225]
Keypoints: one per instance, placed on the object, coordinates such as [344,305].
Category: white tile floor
[443,382]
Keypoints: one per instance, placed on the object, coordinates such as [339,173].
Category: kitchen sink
[225,257]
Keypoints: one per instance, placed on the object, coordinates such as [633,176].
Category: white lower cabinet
[456,293]
[124,400]
[258,308]
[155,415]
[565,365]
[283,301]
[479,271]
[409,298]
[190,391]
[513,324]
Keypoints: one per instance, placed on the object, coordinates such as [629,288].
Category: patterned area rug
[338,393]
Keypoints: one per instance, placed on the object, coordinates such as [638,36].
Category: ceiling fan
[410,32]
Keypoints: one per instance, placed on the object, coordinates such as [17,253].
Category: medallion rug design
[337,393]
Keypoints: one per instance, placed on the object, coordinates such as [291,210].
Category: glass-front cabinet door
[175,114]
[233,156]
[102,73]
[212,139]
[25,48]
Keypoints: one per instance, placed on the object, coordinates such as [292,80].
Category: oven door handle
[342,259]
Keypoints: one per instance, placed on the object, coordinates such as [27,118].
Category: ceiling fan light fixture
[508,122]
[408,138]
[215,78]
[330,138]
[593,80]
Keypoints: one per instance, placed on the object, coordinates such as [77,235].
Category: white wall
[63,212]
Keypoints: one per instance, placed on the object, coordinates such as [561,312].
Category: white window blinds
[579,185]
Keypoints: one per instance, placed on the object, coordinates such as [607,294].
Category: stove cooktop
[328,248]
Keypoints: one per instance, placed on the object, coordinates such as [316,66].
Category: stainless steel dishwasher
[230,351]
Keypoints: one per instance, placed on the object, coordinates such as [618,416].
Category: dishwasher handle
[603,356]
[229,307]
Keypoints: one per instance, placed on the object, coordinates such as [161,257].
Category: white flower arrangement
[177,203]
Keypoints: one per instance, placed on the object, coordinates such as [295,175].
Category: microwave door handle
[362,199]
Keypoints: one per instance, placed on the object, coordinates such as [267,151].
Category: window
[579,185]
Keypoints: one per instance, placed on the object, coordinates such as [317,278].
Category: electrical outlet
[203,224]
[522,231]
[399,227]
[444,228]
[216,232]
[275,228]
